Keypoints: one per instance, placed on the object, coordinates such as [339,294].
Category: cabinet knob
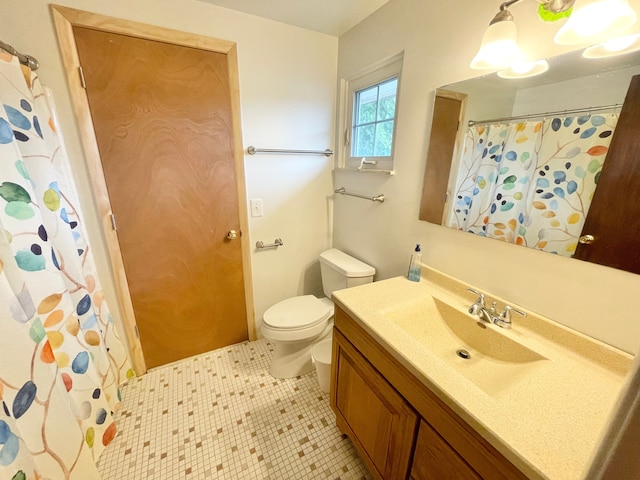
[587,239]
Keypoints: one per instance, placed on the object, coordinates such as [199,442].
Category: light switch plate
[256,207]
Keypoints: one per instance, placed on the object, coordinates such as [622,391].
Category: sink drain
[463,354]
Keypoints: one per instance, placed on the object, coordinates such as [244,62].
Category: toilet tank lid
[346,264]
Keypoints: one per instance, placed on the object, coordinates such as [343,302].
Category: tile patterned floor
[222,416]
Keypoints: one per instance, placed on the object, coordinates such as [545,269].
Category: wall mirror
[524,160]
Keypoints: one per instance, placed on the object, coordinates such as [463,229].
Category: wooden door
[614,216]
[448,112]
[163,124]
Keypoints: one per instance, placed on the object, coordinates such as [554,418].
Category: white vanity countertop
[549,424]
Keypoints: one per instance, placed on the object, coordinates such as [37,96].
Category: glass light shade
[615,46]
[499,48]
[595,21]
[525,69]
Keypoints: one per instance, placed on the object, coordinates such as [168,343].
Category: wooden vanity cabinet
[434,459]
[400,428]
[377,419]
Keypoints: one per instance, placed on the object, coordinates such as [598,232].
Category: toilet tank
[340,270]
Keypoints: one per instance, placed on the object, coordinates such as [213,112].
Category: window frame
[375,75]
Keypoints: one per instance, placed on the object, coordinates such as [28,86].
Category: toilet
[295,324]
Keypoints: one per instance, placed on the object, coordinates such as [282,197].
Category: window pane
[373,124]
[387,99]
[368,108]
[366,105]
[383,139]
[363,141]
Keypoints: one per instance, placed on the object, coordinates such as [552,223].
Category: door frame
[441,157]
[65,19]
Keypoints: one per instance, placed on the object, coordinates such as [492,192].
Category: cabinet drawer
[434,459]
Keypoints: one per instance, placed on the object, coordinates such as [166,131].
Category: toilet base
[291,359]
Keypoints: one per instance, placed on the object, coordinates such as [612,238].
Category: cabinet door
[434,459]
[378,420]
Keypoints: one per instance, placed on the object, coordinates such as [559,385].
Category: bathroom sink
[495,363]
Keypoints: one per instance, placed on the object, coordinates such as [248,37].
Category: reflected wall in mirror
[523,160]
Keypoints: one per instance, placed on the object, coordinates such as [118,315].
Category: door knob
[232,235]
[587,239]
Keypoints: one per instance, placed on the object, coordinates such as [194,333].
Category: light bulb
[499,48]
[616,46]
[525,69]
[595,20]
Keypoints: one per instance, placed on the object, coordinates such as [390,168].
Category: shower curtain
[531,183]
[61,360]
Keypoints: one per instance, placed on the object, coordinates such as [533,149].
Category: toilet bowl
[292,326]
[295,324]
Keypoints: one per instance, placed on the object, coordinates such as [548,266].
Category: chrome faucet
[504,319]
[490,315]
[478,307]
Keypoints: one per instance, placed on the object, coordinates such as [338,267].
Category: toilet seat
[297,313]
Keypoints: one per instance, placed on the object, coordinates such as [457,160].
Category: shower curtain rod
[27,60]
[545,114]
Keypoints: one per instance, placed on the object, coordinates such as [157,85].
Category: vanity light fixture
[616,46]
[594,21]
[525,69]
[499,48]
[591,21]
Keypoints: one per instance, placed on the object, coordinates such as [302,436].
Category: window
[375,112]
[369,117]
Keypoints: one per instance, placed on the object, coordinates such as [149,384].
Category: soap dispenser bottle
[415,265]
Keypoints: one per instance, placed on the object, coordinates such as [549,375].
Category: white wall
[439,42]
[287,90]
[607,88]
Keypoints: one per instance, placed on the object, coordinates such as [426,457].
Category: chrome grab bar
[277,243]
[253,150]
[343,191]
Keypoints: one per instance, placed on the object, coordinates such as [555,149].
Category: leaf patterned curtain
[61,359]
[531,183]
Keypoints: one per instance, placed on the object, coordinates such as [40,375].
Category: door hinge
[347,140]
[135,327]
[113,222]
[458,126]
[81,73]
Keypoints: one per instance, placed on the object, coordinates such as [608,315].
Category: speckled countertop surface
[548,422]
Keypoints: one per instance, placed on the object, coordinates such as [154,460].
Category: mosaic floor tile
[222,416]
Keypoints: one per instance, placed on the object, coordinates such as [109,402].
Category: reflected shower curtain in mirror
[531,183]
[61,360]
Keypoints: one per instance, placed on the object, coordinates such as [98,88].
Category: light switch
[256,207]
